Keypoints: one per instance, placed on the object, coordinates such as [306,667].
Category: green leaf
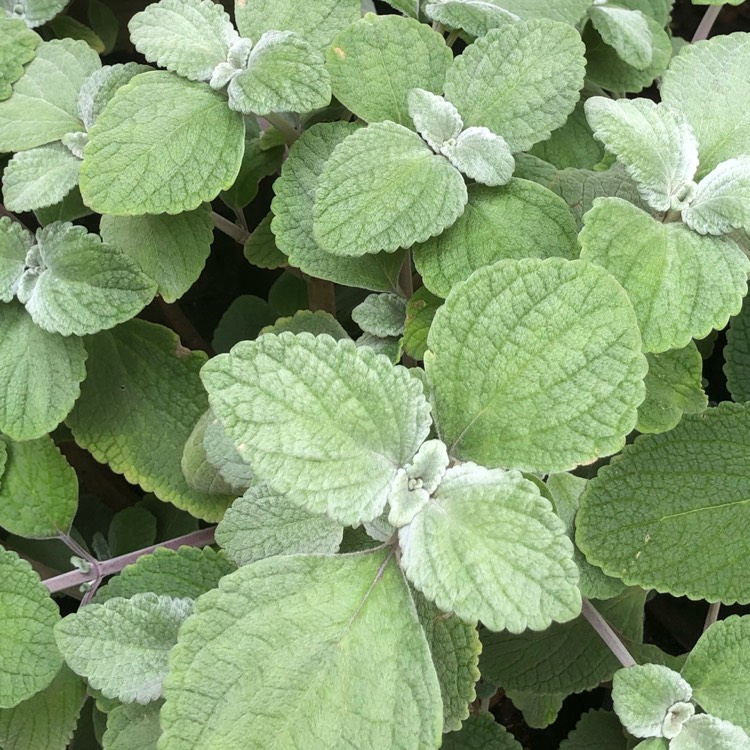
[186,572]
[596,730]
[627,31]
[121,646]
[131,529]
[705,732]
[100,87]
[28,652]
[104,22]
[383,188]
[659,10]
[284,74]
[316,322]
[381,314]
[539,711]
[652,517]
[737,354]
[520,220]
[655,143]
[435,119]
[258,162]
[262,524]
[39,490]
[478,520]
[69,209]
[44,104]
[286,388]
[188,37]
[481,732]
[605,67]
[221,453]
[137,409]
[717,670]
[120,174]
[673,388]
[651,700]
[341,685]
[567,11]
[17,47]
[420,311]
[74,284]
[720,202]
[482,156]
[317,21]
[132,726]
[172,250]
[521,81]
[455,646]
[15,243]
[476,17]
[68,27]
[376,62]
[243,320]
[200,474]
[562,382]
[260,248]
[39,177]
[293,216]
[710,77]
[682,285]
[33,12]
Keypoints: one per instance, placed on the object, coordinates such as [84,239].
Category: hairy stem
[707,23]
[4,212]
[199,538]
[238,234]
[321,295]
[451,38]
[712,615]
[603,628]
[284,127]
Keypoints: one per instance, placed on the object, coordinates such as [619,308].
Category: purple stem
[707,23]
[602,627]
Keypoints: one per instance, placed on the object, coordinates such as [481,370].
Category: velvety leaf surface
[381,314]
[15,243]
[132,726]
[571,145]
[596,730]
[627,31]
[97,90]
[476,17]
[706,732]
[420,312]
[17,47]
[737,354]
[481,732]
[33,12]
[435,119]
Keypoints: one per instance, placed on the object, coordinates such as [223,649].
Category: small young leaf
[73,284]
[286,388]
[381,314]
[255,637]
[383,188]
[44,104]
[477,520]
[435,119]
[33,12]
[263,523]
[521,81]
[706,732]
[625,30]
[260,248]
[721,199]
[100,87]
[482,156]
[681,284]
[17,47]
[189,37]
[172,250]
[654,142]
[131,726]
[121,647]
[15,243]
[596,730]
[481,732]
[476,17]
[39,489]
[39,177]
[307,321]
[27,642]
[120,175]
[563,379]
[376,62]
[284,74]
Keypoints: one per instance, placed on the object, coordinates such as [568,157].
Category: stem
[285,128]
[405,278]
[4,212]
[450,40]
[707,23]
[602,627]
[200,538]
[712,616]
[321,295]
[437,26]
[240,215]
[238,234]
[183,327]
[671,216]
[484,704]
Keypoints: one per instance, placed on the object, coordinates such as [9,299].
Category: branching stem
[603,628]
[284,127]
[238,234]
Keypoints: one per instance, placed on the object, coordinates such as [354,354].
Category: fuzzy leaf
[501,83]
[627,31]
[189,37]
[376,62]
[33,12]
[131,726]
[120,174]
[28,654]
[435,119]
[100,87]
[706,732]
[121,647]
[481,732]
[481,156]
[39,489]
[260,248]
[74,284]
[673,388]
[17,47]
[420,311]
[46,720]
[381,314]
[721,199]
[286,388]
[476,17]
[221,453]
[682,285]
[478,520]
[563,379]
[293,216]
[520,220]
[737,354]
[596,730]
[308,321]
[172,250]
[383,188]
[15,243]
[316,21]
[718,670]
[284,74]
[710,77]
[200,474]
[44,104]
[39,177]
[654,142]
[257,627]
[137,408]
[652,517]
[567,11]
